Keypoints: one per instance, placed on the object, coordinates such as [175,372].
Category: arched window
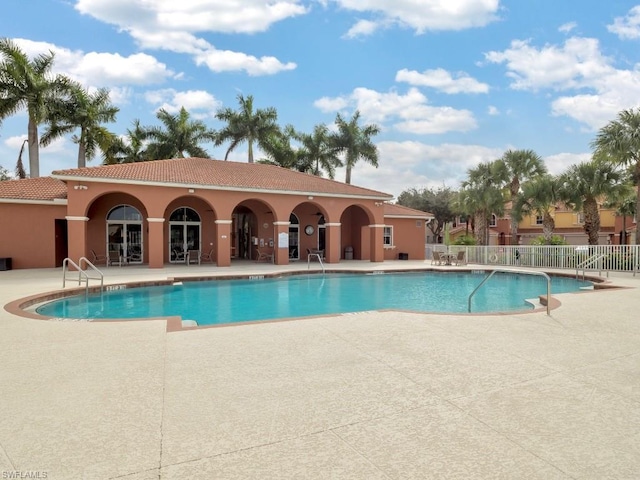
[124,212]
[184,233]
[124,233]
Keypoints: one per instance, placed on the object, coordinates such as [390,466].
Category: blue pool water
[231,301]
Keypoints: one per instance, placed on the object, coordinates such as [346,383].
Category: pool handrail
[514,270]
[82,275]
[588,262]
[90,265]
[318,255]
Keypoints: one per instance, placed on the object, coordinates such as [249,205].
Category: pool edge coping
[174,323]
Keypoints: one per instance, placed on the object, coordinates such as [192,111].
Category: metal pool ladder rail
[318,256]
[82,275]
[589,262]
[512,270]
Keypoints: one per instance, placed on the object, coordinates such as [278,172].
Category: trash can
[348,253]
[5,263]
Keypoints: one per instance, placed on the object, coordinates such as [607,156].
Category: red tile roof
[216,173]
[43,188]
[391,209]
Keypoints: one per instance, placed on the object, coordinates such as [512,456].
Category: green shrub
[555,240]
[465,240]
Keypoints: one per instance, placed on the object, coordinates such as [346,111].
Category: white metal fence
[618,258]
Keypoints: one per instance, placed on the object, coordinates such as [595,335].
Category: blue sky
[450,82]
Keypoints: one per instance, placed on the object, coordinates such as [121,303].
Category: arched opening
[252,230]
[184,233]
[355,233]
[125,233]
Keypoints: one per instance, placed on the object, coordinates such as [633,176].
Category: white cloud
[559,163]
[601,90]
[408,113]
[174,26]
[627,27]
[442,80]
[425,15]
[572,65]
[493,110]
[199,103]
[567,27]
[404,165]
[248,16]
[362,28]
[101,69]
[226,61]
[327,104]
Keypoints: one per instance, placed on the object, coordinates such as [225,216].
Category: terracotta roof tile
[217,173]
[43,188]
[391,209]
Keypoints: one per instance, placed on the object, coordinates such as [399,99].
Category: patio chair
[315,254]
[207,256]
[179,256]
[264,256]
[460,258]
[193,256]
[134,255]
[98,259]
[437,258]
[114,257]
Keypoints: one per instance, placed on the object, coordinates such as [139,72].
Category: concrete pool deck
[361,396]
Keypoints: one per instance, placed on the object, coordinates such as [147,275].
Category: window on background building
[387,236]
[580,218]
[494,221]
[538,219]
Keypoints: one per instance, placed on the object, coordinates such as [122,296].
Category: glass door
[177,243]
[133,245]
[116,238]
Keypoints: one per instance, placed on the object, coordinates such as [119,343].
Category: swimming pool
[232,301]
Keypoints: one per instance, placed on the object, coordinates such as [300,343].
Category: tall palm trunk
[347,179]
[82,152]
[481,232]
[591,221]
[34,150]
[548,225]
[515,188]
[250,142]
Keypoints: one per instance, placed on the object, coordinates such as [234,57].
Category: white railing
[612,258]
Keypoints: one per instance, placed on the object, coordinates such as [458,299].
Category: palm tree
[624,205]
[280,152]
[539,196]
[86,111]
[355,142]
[20,173]
[245,125]
[619,142]
[482,195]
[519,166]
[129,149]
[180,136]
[28,84]
[318,151]
[582,185]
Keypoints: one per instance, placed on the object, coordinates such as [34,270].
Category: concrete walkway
[360,396]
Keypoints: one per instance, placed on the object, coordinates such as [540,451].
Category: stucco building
[153,213]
